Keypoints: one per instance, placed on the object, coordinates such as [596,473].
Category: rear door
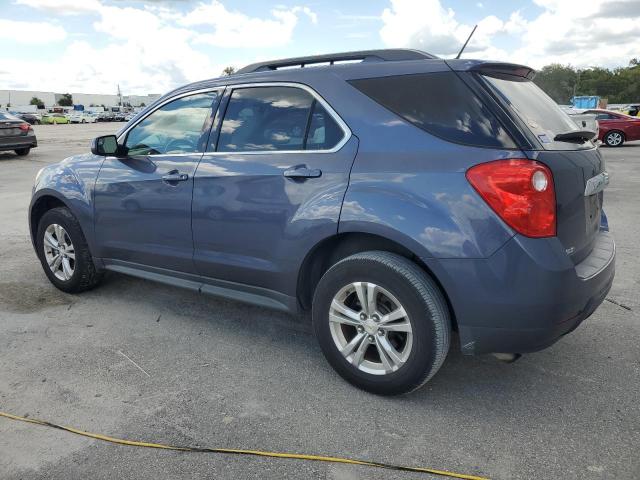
[573,163]
[271,186]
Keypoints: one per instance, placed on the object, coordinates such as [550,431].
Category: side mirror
[106,145]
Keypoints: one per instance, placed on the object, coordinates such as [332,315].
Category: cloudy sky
[152,46]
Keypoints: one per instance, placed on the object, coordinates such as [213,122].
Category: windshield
[542,115]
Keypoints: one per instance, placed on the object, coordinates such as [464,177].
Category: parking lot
[143,361]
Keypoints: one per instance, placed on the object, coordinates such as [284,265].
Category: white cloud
[600,32]
[151,48]
[63,7]
[592,35]
[31,32]
[232,28]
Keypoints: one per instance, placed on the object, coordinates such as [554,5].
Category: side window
[439,103]
[265,118]
[173,128]
[324,132]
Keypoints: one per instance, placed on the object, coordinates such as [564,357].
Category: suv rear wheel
[382,322]
[21,152]
[64,253]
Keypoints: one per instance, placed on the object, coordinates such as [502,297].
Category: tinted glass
[439,103]
[324,132]
[8,116]
[265,118]
[174,128]
[542,115]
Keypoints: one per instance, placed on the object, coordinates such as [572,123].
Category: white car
[585,121]
[83,117]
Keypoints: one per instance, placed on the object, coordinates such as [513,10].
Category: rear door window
[278,118]
[439,103]
[265,119]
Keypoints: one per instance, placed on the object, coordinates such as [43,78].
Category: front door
[143,200]
[272,187]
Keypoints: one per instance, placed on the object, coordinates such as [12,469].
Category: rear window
[439,103]
[8,116]
[542,115]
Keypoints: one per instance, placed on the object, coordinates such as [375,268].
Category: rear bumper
[527,295]
[13,143]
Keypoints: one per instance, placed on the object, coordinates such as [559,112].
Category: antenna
[465,43]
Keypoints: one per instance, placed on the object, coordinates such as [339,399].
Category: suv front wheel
[382,322]
[64,253]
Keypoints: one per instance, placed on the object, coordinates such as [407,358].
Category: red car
[616,128]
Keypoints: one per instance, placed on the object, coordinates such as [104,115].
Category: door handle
[175,177]
[302,172]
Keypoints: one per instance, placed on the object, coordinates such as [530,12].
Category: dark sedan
[16,134]
[30,118]
[616,128]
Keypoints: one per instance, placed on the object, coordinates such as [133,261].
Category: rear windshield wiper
[576,136]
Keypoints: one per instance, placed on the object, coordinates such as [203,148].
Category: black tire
[417,293]
[21,152]
[614,138]
[85,275]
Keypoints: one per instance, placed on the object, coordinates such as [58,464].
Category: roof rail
[384,55]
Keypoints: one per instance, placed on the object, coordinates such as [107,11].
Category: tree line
[620,85]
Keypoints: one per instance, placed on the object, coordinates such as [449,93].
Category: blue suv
[398,196]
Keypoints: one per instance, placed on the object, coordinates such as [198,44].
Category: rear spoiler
[482,66]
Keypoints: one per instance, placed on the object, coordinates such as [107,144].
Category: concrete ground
[139,360]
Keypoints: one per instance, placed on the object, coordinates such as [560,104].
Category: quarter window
[439,103]
[276,119]
[174,128]
[324,133]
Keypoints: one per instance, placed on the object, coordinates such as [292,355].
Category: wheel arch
[39,207]
[333,249]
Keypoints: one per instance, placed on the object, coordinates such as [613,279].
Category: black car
[30,118]
[16,134]
[105,117]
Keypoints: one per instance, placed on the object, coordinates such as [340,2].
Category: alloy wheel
[370,328]
[614,139]
[59,252]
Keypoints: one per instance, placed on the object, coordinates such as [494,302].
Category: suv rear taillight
[25,127]
[521,192]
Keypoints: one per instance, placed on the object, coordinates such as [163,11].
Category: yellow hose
[237,451]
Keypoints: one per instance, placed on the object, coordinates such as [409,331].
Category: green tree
[620,85]
[558,81]
[66,100]
[228,71]
[37,102]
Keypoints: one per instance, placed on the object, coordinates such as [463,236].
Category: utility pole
[119,96]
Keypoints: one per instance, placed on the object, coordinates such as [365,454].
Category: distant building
[23,97]
[18,98]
